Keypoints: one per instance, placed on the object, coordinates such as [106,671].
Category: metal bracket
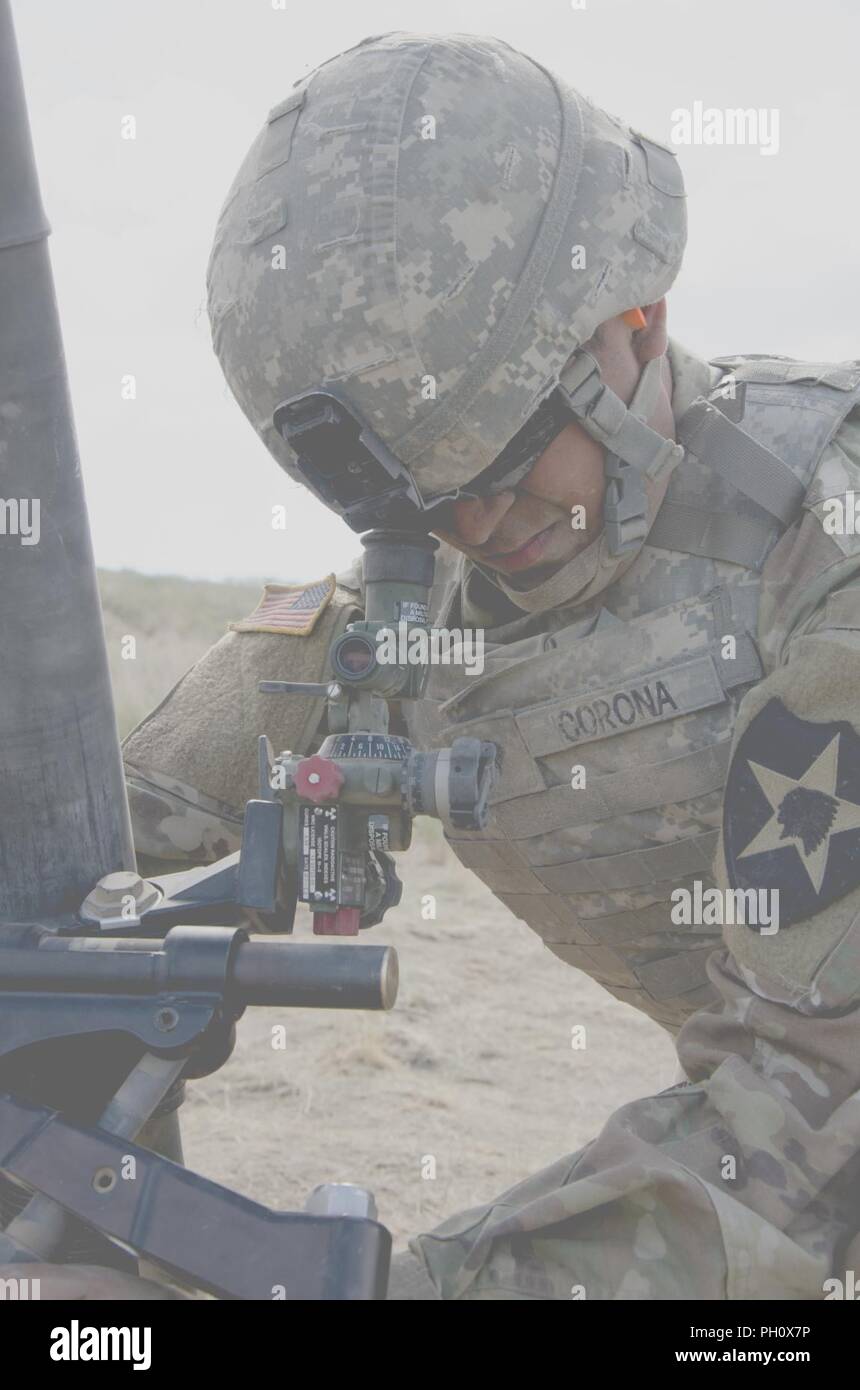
[240,1250]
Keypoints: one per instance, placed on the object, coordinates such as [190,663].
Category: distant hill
[173,621]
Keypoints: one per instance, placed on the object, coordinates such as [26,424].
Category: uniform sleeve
[192,763]
[744,1181]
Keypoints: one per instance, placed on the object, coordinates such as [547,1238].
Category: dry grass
[173,621]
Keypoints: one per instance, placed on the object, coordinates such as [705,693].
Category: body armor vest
[638,690]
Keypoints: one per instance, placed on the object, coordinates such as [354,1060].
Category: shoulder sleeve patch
[791,817]
[293,609]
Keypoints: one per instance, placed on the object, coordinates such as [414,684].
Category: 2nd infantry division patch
[791,817]
[289,608]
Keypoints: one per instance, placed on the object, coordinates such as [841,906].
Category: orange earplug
[635,319]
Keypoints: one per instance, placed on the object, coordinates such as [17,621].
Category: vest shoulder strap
[752,448]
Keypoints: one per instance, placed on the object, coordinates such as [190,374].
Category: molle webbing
[752,449]
[748,466]
[699,671]
[506,870]
[662,693]
[733,536]
[635,868]
[637,788]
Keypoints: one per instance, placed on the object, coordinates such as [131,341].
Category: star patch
[791,813]
[289,608]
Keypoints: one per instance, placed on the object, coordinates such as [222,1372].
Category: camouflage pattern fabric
[741,1183]
[192,763]
[176,824]
[405,230]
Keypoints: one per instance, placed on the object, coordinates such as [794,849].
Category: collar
[692,377]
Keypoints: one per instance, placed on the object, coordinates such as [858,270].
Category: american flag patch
[290,608]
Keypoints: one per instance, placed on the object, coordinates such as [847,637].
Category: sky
[177,481]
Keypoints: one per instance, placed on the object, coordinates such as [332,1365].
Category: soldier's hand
[81,1283]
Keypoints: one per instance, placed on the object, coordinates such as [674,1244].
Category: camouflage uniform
[742,1181]
[772,1062]
[708,762]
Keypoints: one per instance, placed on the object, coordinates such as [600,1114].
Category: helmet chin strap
[634,450]
[637,460]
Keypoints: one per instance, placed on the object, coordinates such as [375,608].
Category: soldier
[474,260]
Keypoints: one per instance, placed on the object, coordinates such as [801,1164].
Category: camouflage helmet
[430,226]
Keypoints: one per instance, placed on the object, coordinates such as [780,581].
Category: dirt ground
[465,1087]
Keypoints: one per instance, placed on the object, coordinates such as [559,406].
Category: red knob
[318,779]
[344,922]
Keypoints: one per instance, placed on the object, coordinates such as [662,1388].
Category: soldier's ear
[652,340]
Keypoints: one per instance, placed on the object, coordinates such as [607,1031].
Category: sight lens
[355,657]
